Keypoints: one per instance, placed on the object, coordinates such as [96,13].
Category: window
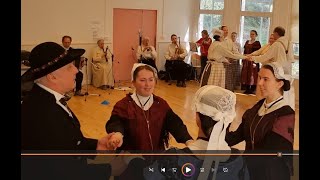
[208,22]
[257,5]
[260,24]
[296,50]
[295,69]
[255,15]
[211,4]
[295,65]
[210,15]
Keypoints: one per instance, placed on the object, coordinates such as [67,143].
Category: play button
[188,169]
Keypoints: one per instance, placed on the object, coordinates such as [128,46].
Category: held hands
[116,140]
[226,62]
[249,57]
[110,142]
[103,143]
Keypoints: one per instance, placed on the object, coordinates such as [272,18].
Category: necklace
[146,117]
[252,133]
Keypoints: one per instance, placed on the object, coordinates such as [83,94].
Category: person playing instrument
[102,67]
[175,56]
[204,42]
[66,42]
[142,120]
[146,53]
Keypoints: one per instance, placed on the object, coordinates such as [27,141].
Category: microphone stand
[112,59]
[86,94]
[111,69]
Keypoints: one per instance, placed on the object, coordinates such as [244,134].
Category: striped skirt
[213,74]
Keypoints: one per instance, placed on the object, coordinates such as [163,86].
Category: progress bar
[171,154]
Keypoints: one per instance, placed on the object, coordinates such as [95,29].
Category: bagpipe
[179,50]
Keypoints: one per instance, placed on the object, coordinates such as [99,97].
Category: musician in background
[175,56]
[204,42]
[102,67]
[146,53]
[66,42]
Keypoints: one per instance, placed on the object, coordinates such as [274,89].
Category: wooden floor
[93,115]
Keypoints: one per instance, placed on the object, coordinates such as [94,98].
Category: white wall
[80,18]
[47,20]
[77,17]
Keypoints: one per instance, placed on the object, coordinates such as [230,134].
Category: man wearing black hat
[46,121]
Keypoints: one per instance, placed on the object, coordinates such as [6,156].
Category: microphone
[105,53]
[107,49]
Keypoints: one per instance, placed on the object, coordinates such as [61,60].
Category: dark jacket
[47,128]
[274,134]
[129,119]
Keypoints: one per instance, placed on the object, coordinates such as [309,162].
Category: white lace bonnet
[219,104]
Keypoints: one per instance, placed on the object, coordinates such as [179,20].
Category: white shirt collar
[143,100]
[57,96]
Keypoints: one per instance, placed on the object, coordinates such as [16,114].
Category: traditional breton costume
[218,104]
[145,122]
[214,72]
[267,128]
[49,126]
[232,69]
[249,71]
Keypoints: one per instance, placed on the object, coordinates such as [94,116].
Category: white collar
[57,95]
[146,102]
[272,106]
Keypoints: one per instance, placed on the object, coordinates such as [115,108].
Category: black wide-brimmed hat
[48,57]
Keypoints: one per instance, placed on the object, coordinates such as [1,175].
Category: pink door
[126,26]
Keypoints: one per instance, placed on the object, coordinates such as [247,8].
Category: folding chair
[196,64]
